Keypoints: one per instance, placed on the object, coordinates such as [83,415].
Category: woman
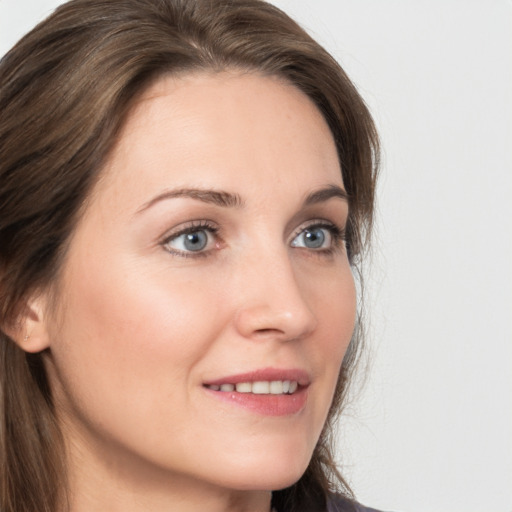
[185,189]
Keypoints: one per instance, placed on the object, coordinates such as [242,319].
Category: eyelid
[323,223]
[189,227]
[337,232]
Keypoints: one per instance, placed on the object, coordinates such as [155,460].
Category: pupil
[314,239]
[196,241]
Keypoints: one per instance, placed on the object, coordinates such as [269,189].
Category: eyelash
[337,234]
[193,227]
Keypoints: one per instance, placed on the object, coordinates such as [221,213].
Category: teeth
[275,387]
[244,387]
[261,388]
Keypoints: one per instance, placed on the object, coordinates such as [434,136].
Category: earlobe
[30,331]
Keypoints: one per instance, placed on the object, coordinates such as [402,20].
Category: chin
[265,482]
[265,462]
[274,473]
[281,481]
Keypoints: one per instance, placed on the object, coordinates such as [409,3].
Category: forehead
[229,129]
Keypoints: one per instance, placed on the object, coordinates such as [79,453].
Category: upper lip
[264,374]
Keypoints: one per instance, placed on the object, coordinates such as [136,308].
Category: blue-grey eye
[193,241]
[313,238]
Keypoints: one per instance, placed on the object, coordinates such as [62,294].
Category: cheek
[127,338]
[334,302]
[133,309]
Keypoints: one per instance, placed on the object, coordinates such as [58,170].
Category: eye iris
[195,241]
[314,238]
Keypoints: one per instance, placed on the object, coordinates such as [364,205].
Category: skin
[142,323]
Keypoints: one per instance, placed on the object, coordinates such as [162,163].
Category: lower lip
[266,405]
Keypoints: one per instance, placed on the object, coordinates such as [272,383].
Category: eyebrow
[233,200]
[216,197]
[326,193]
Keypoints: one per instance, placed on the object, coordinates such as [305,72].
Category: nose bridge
[271,299]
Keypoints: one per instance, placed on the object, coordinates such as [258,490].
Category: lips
[270,391]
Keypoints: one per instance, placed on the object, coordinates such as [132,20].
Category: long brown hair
[65,90]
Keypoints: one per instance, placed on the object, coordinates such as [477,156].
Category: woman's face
[206,280]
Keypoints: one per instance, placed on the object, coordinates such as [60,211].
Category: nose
[272,303]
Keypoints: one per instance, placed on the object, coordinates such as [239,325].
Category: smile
[273,387]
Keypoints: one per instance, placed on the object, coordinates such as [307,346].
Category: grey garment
[339,504]
[360,508]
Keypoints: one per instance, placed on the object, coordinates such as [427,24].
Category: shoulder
[339,504]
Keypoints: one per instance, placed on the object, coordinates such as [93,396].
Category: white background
[432,429]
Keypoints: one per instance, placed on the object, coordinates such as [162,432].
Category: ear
[30,331]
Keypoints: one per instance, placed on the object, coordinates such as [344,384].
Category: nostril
[267,331]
